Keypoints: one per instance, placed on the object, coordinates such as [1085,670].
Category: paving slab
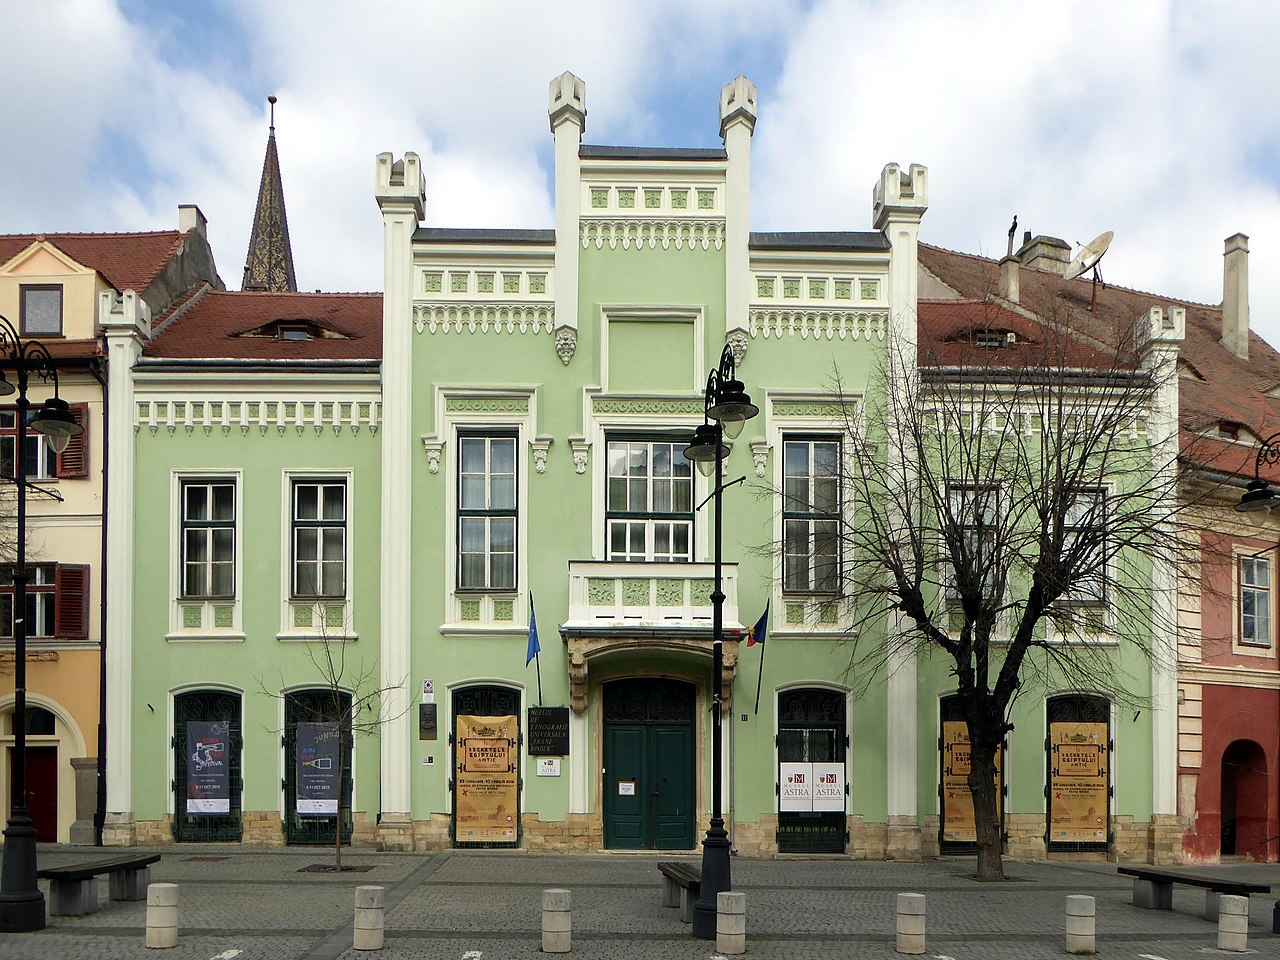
[238,904]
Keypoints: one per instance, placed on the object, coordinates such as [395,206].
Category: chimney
[190,218]
[1045,253]
[1009,279]
[1235,295]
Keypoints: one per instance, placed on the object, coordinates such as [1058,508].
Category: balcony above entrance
[616,609]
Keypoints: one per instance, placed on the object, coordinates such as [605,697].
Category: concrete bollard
[1233,924]
[1081,928]
[162,915]
[731,922]
[557,921]
[911,923]
[367,930]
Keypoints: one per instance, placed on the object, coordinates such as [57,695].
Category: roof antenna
[1013,228]
[271,99]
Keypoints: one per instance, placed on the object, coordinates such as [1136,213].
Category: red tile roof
[128,261]
[220,324]
[952,333]
[1216,386]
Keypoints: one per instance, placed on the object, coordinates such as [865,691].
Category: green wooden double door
[648,764]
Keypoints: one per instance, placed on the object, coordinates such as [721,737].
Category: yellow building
[56,289]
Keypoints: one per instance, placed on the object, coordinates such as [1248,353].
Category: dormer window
[40,310]
[293,332]
[993,339]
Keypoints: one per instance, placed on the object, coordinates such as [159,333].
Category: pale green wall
[261,662]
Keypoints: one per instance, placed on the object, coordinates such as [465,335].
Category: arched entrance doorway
[1244,800]
[648,764]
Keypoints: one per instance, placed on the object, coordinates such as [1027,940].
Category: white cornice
[1229,676]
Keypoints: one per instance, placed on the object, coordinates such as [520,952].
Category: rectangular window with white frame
[649,500]
[487,512]
[811,505]
[1253,577]
[1084,544]
[208,539]
[319,539]
[975,511]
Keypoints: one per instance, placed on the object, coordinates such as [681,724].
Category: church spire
[269,263]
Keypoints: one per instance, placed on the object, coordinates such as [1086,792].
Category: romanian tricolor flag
[757,633]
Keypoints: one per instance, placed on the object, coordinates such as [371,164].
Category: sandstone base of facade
[393,832]
[119,830]
[903,840]
[576,833]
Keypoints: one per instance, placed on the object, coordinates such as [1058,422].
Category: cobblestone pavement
[485,905]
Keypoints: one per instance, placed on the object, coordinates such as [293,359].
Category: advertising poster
[486,779]
[795,790]
[828,788]
[208,769]
[317,769]
[958,824]
[1078,783]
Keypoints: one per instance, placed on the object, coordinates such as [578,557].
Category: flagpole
[760,677]
[537,662]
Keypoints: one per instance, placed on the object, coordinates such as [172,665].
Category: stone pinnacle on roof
[268,265]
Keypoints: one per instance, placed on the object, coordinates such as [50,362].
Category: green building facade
[322,501]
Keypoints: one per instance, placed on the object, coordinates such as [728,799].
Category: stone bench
[681,884]
[73,889]
[1153,887]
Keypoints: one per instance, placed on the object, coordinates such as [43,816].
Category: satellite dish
[1089,255]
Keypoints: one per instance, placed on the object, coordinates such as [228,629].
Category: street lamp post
[21,902]
[726,409]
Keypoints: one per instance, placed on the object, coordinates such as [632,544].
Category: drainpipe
[100,809]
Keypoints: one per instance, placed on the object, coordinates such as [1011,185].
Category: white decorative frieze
[812,289]
[244,415]
[638,234]
[819,324]
[484,317]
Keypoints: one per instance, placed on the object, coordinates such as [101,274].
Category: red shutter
[71,585]
[73,462]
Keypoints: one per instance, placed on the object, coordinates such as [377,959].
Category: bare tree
[354,699]
[1008,503]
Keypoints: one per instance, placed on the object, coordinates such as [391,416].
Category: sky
[1155,119]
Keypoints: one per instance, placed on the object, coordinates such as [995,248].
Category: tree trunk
[986,806]
[337,820]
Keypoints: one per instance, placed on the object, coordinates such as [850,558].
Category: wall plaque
[548,731]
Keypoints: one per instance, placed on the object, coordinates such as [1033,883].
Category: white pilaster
[400,193]
[899,202]
[567,112]
[126,322]
[737,124]
[1165,330]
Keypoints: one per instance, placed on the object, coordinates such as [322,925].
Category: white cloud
[1154,120]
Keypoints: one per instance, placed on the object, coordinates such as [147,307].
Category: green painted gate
[648,760]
